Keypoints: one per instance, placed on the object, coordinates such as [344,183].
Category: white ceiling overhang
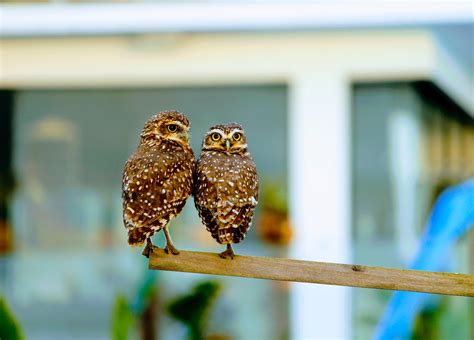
[60,19]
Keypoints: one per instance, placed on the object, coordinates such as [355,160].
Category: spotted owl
[157,179]
[226,185]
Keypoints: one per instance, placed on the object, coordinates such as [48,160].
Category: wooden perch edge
[315,272]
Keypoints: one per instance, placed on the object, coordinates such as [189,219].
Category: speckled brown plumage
[226,185]
[157,179]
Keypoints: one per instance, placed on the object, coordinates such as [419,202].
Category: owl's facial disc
[225,141]
[237,141]
[166,125]
[172,130]
[214,140]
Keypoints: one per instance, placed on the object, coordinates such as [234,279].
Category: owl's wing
[155,187]
[237,194]
[205,192]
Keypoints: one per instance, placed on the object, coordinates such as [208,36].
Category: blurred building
[362,112]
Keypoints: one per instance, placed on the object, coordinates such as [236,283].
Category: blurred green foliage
[122,319]
[427,323]
[194,309]
[9,327]
[274,196]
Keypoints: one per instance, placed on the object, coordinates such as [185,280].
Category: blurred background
[359,114]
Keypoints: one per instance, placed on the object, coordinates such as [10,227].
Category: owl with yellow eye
[226,185]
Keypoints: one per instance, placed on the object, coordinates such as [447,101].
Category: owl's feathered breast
[155,185]
[226,193]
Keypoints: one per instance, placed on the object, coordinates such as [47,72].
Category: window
[71,258]
[409,143]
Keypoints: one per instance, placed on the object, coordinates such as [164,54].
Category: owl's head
[228,138]
[168,125]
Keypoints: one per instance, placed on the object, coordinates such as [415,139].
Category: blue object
[451,217]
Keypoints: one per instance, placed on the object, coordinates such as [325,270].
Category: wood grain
[315,272]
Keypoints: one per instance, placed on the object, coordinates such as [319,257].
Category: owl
[157,179]
[226,185]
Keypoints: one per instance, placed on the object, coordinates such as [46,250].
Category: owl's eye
[172,128]
[237,136]
[216,136]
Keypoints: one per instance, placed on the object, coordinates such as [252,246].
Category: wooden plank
[315,272]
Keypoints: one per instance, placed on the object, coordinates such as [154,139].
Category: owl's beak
[227,144]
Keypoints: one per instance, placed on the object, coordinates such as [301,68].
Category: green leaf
[193,309]
[122,319]
[9,327]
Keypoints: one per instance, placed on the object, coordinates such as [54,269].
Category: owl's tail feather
[136,237]
[225,235]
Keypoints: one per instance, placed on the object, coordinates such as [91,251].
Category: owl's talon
[229,252]
[148,249]
[171,249]
[147,252]
[169,244]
